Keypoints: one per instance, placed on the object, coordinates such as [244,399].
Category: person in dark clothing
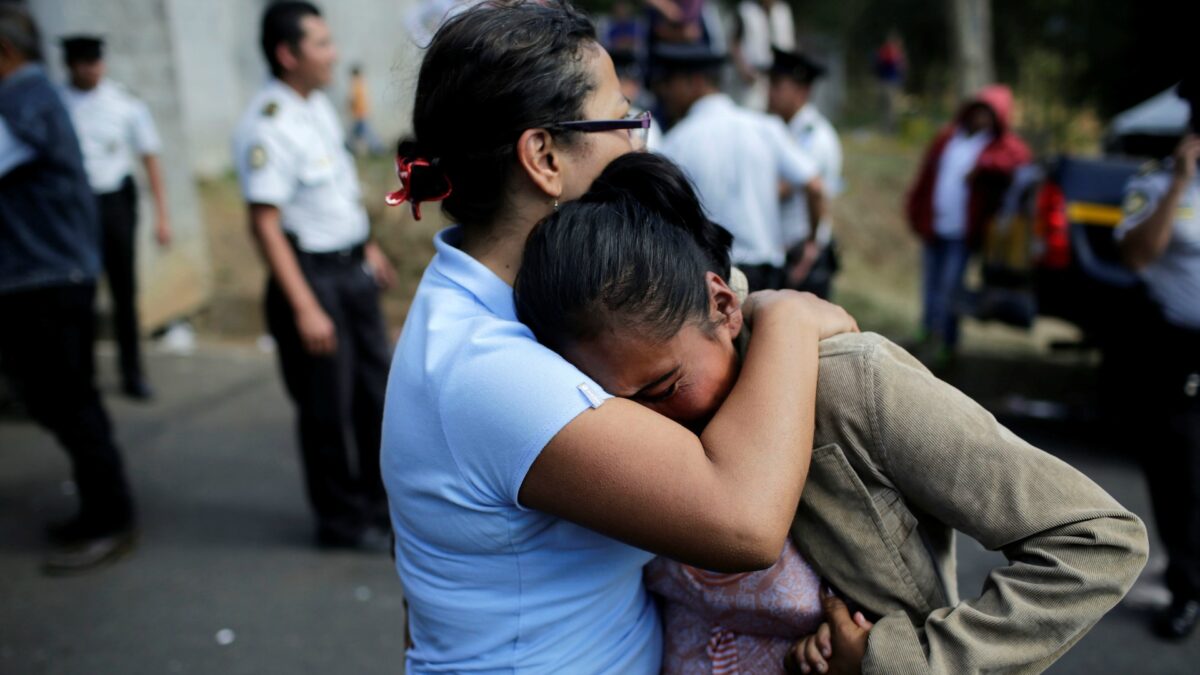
[1159,237]
[49,262]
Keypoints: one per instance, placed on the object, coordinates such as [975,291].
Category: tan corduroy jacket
[901,461]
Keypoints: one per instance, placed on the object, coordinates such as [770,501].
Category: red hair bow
[404,171]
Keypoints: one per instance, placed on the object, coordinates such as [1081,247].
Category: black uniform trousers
[1167,389]
[338,397]
[819,281]
[763,277]
[118,223]
[48,347]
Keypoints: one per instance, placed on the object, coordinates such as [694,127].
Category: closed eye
[664,395]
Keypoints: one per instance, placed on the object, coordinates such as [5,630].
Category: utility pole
[970,24]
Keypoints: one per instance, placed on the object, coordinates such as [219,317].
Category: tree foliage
[1110,54]
[1114,53]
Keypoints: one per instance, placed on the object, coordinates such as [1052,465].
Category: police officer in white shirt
[736,157]
[114,129]
[1159,237]
[760,26]
[812,258]
[322,298]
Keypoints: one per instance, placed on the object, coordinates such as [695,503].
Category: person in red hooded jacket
[958,190]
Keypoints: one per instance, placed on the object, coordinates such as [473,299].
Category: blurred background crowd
[1029,118]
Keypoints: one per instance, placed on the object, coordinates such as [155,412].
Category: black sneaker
[89,554]
[1179,620]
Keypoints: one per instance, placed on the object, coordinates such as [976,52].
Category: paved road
[225,546]
[226,549]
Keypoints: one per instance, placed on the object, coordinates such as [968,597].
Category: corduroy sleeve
[1072,550]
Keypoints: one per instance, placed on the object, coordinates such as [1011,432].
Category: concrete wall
[176,281]
[197,63]
[221,66]
[210,50]
[212,88]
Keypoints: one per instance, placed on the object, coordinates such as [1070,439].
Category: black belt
[127,185]
[350,255]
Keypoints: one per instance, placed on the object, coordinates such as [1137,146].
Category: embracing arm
[1073,551]
[723,501]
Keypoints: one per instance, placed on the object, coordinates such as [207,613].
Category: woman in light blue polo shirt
[525,500]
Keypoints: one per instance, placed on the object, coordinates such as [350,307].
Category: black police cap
[623,58]
[626,63]
[690,57]
[82,47]
[796,65]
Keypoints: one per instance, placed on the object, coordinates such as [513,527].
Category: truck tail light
[1051,229]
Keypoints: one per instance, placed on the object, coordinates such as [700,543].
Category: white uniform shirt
[291,153]
[817,137]
[762,30]
[951,193]
[736,158]
[114,128]
[1174,278]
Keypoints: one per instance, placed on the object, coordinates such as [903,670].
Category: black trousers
[118,224]
[763,277]
[1167,391]
[47,343]
[819,281]
[338,397]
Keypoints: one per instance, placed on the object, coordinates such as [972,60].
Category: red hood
[997,97]
[993,170]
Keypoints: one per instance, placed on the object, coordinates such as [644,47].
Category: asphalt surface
[226,579]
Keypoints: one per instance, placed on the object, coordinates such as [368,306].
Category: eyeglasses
[638,127]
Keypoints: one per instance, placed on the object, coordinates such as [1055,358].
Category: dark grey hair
[18,30]
[490,73]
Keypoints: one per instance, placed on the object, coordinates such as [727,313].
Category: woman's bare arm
[722,501]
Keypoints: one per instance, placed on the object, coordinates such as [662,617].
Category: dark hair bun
[669,194]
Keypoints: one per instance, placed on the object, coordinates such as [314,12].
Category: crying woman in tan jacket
[631,283]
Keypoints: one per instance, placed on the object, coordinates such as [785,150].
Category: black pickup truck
[1052,252]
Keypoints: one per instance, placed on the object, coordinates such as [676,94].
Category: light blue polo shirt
[492,586]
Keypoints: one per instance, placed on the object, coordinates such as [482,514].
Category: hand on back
[825,317]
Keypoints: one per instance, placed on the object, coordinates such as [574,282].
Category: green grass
[880,256]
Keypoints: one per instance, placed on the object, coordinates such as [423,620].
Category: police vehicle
[1051,250]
